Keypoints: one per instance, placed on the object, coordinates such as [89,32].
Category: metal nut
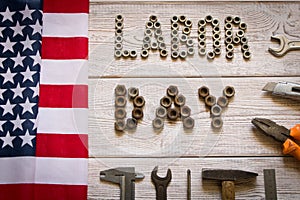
[158,123]
[222,101]
[183,38]
[119,32]
[217,30]
[247,55]
[236,40]
[182,18]
[202,30]
[161,112]
[118,46]
[175,47]
[120,101]
[133,92]
[172,114]
[237,20]
[190,42]
[215,22]
[228,19]
[119,25]
[188,123]
[175,26]
[244,40]
[172,91]
[229,54]
[157,25]
[175,40]
[133,54]
[119,18]
[148,32]
[162,46]
[118,53]
[202,51]
[137,113]
[175,54]
[166,101]
[240,33]
[188,23]
[154,45]
[139,101]
[120,113]
[208,19]
[201,37]
[125,53]
[228,40]
[201,22]
[120,90]
[217,51]
[131,123]
[228,33]
[202,44]
[216,36]
[120,125]
[229,47]
[228,26]
[245,47]
[163,53]
[185,111]
[243,26]
[203,91]
[183,54]
[149,25]
[210,100]
[118,39]
[211,55]
[146,46]
[217,44]
[229,91]
[216,110]
[190,51]
[179,100]
[144,53]
[174,19]
[174,33]
[217,122]
[158,32]
[186,30]
[153,18]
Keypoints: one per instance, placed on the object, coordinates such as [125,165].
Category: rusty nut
[138,101]
[203,91]
[217,122]
[185,111]
[120,125]
[133,92]
[166,102]
[161,112]
[158,123]
[120,90]
[172,113]
[179,100]
[131,123]
[210,100]
[137,113]
[216,110]
[222,101]
[229,91]
[120,113]
[120,101]
[172,91]
[188,123]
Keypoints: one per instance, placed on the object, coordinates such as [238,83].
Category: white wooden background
[237,145]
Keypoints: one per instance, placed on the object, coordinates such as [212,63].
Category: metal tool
[281,134]
[285,89]
[227,177]
[125,177]
[270,184]
[188,184]
[285,45]
[161,184]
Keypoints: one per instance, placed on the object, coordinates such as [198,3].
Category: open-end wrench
[161,184]
[125,178]
[285,45]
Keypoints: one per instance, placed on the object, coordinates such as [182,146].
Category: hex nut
[215,22]
[119,18]
[133,54]
[158,123]
[228,40]
[217,44]
[229,91]
[175,40]
[148,32]
[139,101]
[203,91]
[216,36]
[174,19]
[247,55]
[146,39]
[172,91]
[161,112]
[120,125]
[174,33]
[186,30]
[201,37]
[133,92]
[166,102]
[163,53]
[119,25]
[185,111]
[153,18]
[144,53]
[149,25]
[208,19]
[210,100]
[119,32]
[229,54]
[201,22]
[157,25]
[188,123]
[118,53]
[120,101]
[120,90]
[118,39]
[228,26]
[131,123]
[244,40]
[222,101]
[162,46]
[179,100]
[175,26]
[202,30]
[245,47]
[228,19]
[175,54]
[240,33]
[158,32]
[216,110]
[202,51]
[120,113]
[160,39]
[190,42]
[202,44]
[229,47]
[172,113]
[175,47]
[190,51]
[146,46]
[217,51]
[154,45]
[182,18]
[183,38]
[228,33]
[183,54]
[216,30]
[243,26]
[217,122]
[188,23]
[137,113]
[211,55]
[125,53]
[236,20]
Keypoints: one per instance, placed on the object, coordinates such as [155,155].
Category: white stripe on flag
[69,171]
[63,120]
[64,72]
[65,25]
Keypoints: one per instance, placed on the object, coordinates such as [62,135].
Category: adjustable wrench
[125,178]
[285,45]
[161,184]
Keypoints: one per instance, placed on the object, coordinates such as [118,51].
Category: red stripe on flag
[62,145]
[63,96]
[42,191]
[64,48]
[66,6]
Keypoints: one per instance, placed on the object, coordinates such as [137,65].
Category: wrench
[125,178]
[285,45]
[161,184]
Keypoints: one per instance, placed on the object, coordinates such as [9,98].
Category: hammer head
[227,174]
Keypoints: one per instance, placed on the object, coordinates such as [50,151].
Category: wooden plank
[264,19]
[237,137]
[170,1]
[287,175]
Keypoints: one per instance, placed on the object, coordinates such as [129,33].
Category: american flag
[43,99]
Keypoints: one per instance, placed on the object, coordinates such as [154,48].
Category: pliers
[281,134]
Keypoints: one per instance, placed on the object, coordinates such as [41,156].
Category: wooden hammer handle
[228,190]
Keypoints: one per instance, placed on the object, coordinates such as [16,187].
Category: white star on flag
[28,74]
[18,123]
[8,45]
[7,140]
[1,123]
[8,76]
[28,43]
[27,106]
[18,60]
[37,59]
[1,93]
[37,28]
[17,29]
[18,91]
[27,13]
[35,91]
[35,122]
[1,62]
[8,108]
[27,139]
[7,15]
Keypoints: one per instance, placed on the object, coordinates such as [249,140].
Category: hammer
[227,177]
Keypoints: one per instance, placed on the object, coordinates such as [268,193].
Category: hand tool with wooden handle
[228,178]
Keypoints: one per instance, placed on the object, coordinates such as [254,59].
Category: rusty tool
[285,45]
[281,134]
[125,177]
[161,183]
[227,177]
